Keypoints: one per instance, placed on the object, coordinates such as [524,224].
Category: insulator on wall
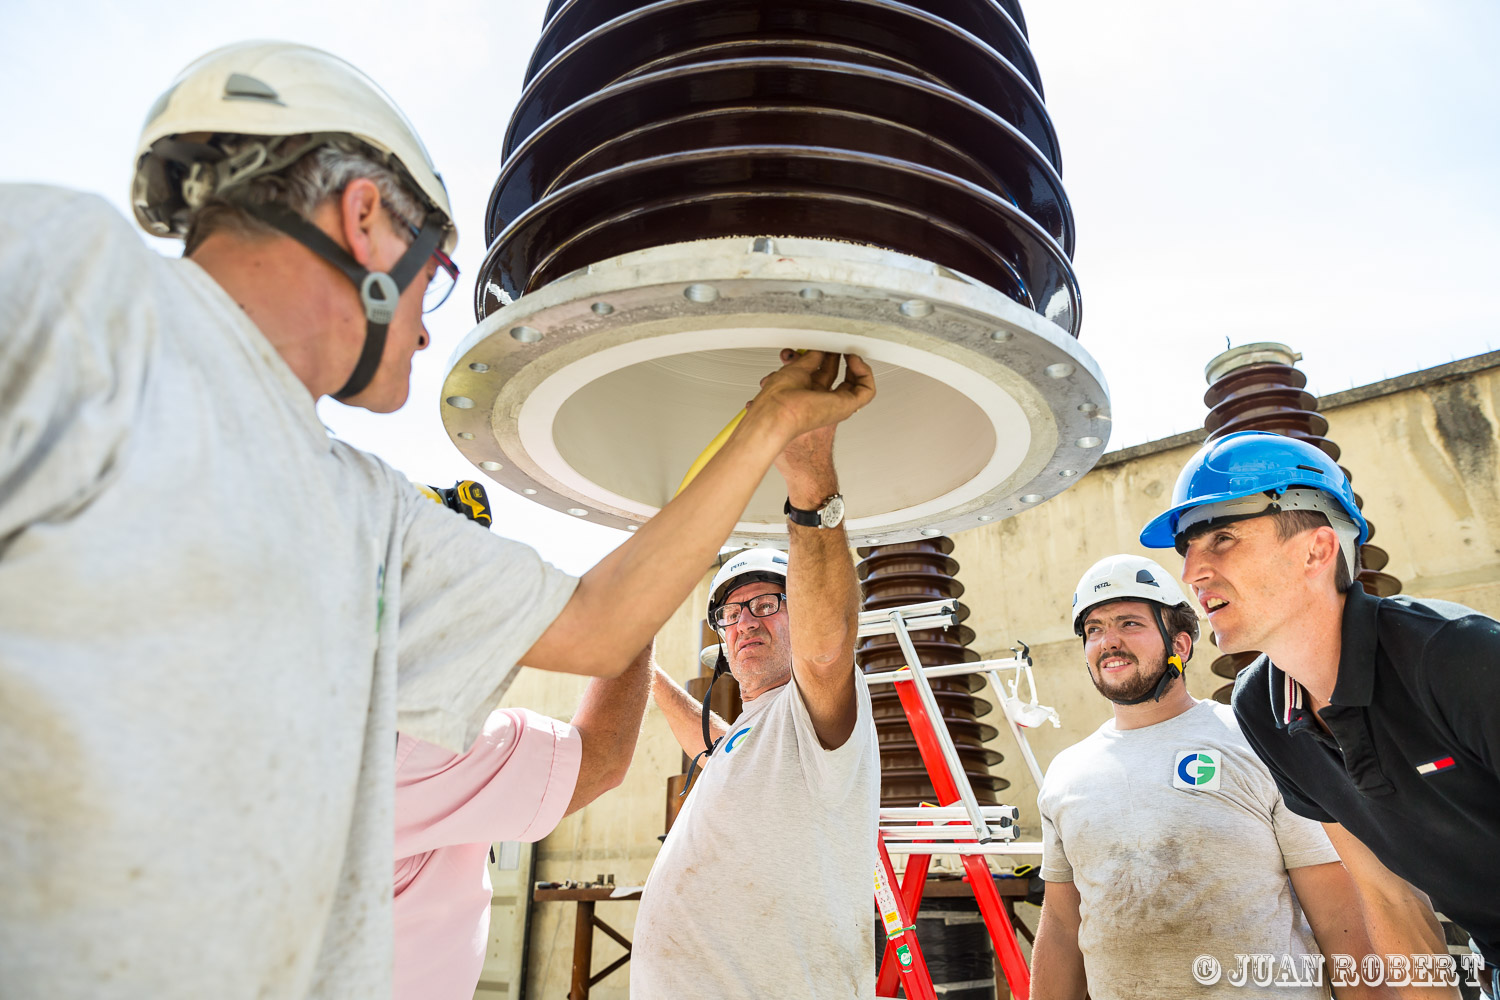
[1257,388]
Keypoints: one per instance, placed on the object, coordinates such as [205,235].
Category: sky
[1317,172]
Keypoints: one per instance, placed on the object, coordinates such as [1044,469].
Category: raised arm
[609,721]
[620,603]
[822,591]
[684,714]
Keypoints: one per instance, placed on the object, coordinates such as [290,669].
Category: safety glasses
[444,278]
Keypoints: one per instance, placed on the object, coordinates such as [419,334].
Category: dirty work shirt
[212,615]
[1179,845]
[514,783]
[765,886]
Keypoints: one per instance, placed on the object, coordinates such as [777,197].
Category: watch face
[833,511]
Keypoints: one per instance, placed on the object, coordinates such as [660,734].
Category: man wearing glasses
[213,616]
[763,888]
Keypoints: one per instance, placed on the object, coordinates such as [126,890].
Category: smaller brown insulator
[1258,388]
[1253,378]
[1231,664]
[912,573]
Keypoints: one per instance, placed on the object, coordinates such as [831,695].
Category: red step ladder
[958,826]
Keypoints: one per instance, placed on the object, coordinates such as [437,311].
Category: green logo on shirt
[737,738]
[379,596]
[1195,770]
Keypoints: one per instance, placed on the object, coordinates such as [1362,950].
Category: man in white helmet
[213,614]
[763,888]
[1164,838]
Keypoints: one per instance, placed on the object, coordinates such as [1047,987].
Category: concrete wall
[1424,455]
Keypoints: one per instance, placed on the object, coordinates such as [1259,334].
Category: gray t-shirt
[212,616]
[1179,845]
[765,886]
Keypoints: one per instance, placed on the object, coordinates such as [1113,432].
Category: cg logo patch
[1196,771]
[737,738]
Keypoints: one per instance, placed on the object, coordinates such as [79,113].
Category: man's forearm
[823,599]
[822,592]
[1057,969]
[1331,902]
[1398,917]
[821,585]
[684,714]
[609,721]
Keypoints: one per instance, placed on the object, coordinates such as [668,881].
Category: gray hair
[297,172]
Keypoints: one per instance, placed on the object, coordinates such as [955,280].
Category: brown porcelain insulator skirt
[918,127]
[913,573]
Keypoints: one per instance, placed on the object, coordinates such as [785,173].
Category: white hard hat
[269,89]
[750,566]
[1133,578]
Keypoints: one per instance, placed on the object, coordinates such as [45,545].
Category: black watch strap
[806,518]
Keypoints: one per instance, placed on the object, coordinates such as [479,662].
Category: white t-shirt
[1179,845]
[765,885]
[212,617]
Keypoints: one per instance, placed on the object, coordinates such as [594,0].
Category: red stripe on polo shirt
[1432,767]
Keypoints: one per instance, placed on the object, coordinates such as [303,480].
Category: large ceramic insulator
[913,573]
[689,186]
[1256,388]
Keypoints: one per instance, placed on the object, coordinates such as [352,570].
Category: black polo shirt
[1413,766]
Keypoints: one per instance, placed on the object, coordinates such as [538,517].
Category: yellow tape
[708,453]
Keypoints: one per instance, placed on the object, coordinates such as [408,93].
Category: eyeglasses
[444,278]
[763,606]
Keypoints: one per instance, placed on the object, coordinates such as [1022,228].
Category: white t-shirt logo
[737,738]
[1196,771]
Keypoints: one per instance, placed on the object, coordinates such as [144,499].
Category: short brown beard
[1136,689]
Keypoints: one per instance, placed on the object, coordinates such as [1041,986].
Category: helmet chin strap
[1174,668]
[721,667]
[379,291]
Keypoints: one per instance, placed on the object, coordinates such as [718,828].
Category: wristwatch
[830,515]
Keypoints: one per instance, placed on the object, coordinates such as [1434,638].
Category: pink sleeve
[514,783]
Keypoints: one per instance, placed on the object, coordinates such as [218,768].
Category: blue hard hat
[1244,464]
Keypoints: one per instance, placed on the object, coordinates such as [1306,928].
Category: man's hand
[801,396]
[806,463]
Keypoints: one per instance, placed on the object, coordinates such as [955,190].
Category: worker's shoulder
[1431,617]
[62,219]
[1085,751]
[1221,727]
[371,471]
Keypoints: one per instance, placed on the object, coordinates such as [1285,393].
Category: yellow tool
[710,451]
[466,496]
[713,448]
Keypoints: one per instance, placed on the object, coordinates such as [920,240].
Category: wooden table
[584,923]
